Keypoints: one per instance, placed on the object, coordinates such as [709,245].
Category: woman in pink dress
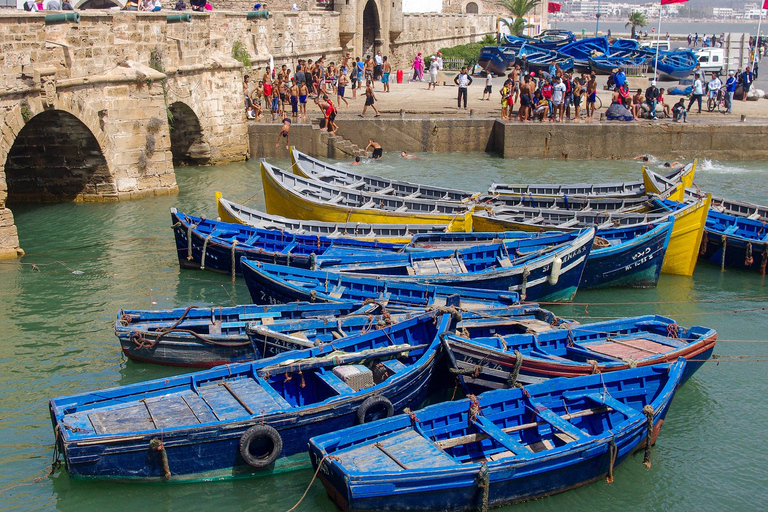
[418,68]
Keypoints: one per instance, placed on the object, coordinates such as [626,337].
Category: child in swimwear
[284,133]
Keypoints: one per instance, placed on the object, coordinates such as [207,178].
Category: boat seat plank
[603,399]
[394,365]
[503,438]
[557,422]
[171,411]
[226,406]
[121,420]
[408,447]
[335,383]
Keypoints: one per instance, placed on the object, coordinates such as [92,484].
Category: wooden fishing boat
[301,198]
[579,350]
[548,39]
[498,448]
[218,246]
[628,256]
[735,242]
[319,171]
[312,168]
[275,338]
[275,284]
[391,233]
[606,64]
[659,185]
[246,417]
[676,64]
[583,49]
[205,337]
[682,250]
[536,58]
[539,268]
[496,59]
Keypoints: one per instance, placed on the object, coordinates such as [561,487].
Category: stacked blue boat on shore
[345,335]
[584,55]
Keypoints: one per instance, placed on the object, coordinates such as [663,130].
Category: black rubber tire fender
[254,433]
[373,402]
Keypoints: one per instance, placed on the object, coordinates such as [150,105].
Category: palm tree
[518,9]
[636,19]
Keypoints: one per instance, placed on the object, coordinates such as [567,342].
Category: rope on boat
[526,273]
[141,342]
[764,260]
[723,239]
[474,408]
[648,411]
[157,445]
[205,246]
[704,243]
[673,331]
[483,483]
[512,379]
[470,372]
[749,259]
[595,366]
[446,310]
[189,241]
[319,465]
[613,450]
[234,243]
[412,415]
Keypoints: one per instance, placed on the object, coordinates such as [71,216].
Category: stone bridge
[102,109]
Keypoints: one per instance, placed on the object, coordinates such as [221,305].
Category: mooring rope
[319,465]
[648,411]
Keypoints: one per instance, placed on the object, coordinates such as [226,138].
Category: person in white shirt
[433,69]
[378,61]
[488,86]
[696,93]
[714,85]
[463,80]
[440,77]
[558,92]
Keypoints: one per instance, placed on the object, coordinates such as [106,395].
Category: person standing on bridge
[463,80]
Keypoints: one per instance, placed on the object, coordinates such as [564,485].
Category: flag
[765,4]
[553,7]
[667,2]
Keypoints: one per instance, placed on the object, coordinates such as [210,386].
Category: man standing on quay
[463,80]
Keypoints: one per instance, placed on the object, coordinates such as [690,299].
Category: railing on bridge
[453,64]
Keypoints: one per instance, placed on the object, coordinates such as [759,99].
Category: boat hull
[634,264]
[733,252]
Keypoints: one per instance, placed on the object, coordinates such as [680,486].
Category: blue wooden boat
[502,447]
[735,242]
[548,39]
[606,65]
[493,363]
[539,59]
[632,258]
[206,337]
[628,256]
[546,267]
[275,338]
[275,284]
[248,417]
[217,246]
[496,59]
[584,49]
[676,64]
[625,44]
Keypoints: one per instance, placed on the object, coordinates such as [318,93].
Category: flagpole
[658,35]
[757,37]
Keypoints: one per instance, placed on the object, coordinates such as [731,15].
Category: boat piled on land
[501,447]
[246,417]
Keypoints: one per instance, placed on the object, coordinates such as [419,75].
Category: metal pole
[658,35]
[597,24]
[757,39]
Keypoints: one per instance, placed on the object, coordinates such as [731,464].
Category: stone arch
[187,142]
[56,157]
[371,29]
[472,8]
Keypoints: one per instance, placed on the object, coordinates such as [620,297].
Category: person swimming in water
[406,155]
[284,133]
[356,161]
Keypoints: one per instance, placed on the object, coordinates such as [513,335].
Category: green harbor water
[86,261]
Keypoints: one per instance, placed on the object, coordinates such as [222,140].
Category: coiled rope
[512,379]
[157,445]
[648,411]
[484,484]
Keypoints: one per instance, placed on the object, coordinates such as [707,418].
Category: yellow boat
[682,251]
[392,233]
[293,196]
[663,186]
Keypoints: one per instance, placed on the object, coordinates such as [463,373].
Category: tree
[636,19]
[518,9]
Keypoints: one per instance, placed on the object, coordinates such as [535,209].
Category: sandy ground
[415,99]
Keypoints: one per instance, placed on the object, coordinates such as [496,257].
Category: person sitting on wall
[197,5]
[66,6]
[180,6]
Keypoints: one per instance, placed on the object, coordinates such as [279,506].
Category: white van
[663,45]
[711,60]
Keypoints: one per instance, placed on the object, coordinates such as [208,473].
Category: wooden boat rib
[314,169]
[390,233]
[682,250]
[580,350]
[502,447]
[275,284]
[545,268]
[213,245]
[246,417]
